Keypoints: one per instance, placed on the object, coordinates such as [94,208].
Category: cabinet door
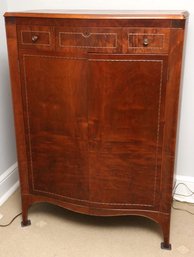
[126,120]
[54,97]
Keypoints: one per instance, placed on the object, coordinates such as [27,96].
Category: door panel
[54,95]
[126,110]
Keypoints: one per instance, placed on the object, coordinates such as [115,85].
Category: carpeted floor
[56,232]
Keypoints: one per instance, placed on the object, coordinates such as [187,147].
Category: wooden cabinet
[96,107]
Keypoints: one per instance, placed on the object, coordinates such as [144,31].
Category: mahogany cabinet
[95,99]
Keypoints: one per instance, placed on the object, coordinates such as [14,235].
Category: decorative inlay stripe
[82,34]
[34,31]
[146,34]
[159,110]
[157,131]
[86,201]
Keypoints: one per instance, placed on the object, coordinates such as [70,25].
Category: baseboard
[9,183]
[182,182]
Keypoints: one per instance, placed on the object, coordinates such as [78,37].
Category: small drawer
[95,39]
[38,37]
[148,40]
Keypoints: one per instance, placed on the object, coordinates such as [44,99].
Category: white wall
[185,164]
[8,165]
[7,147]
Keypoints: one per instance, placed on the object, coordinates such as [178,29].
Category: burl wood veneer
[96,107]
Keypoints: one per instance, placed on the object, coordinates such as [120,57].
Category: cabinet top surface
[100,14]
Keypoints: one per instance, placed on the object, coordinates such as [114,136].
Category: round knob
[145,42]
[34,38]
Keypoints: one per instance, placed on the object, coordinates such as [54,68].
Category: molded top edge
[101,14]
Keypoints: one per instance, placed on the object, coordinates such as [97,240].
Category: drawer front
[37,37]
[94,39]
[147,40]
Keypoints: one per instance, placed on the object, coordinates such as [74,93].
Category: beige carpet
[56,232]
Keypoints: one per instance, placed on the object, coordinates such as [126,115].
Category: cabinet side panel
[17,102]
[171,117]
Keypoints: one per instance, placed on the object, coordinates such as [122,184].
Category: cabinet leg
[166,234]
[25,222]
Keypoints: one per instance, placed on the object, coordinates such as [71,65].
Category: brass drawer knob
[145,42]
[34,38]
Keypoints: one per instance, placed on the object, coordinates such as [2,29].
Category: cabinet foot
[26,223]
[166,246]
